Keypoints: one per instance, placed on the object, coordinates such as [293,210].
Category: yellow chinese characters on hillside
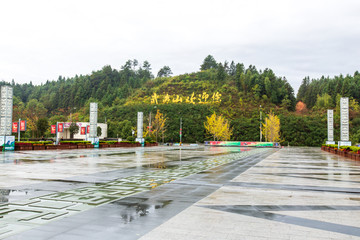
[203,98]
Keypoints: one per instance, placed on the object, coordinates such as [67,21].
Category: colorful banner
[83,131]
[241,144]
[60,127]
[23,125]
[15,127]
[88,129]
[94,141]
[53,129]
[8,143]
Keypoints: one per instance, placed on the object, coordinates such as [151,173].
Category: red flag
[60,127]
[23,125]
[15,127]
[83,130]
[53,129]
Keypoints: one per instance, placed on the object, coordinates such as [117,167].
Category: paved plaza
[179,193]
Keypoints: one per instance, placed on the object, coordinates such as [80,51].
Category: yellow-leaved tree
[218,127]
[159,127]
[271,128]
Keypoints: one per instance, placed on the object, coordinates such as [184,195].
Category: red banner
[83,130]
[23,125]
[60,127]
[15,127]
[88,129]
[53,129]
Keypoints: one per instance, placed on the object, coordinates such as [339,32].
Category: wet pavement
[59,196]
[295,193]
[172,193]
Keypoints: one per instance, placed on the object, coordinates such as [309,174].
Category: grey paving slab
[128,217]
[268,202]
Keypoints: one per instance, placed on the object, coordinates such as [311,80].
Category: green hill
[226,88]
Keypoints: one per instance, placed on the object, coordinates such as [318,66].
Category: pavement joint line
[294,187]
[270,212]
[25,217]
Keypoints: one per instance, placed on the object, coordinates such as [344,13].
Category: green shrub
[76,142]
[331,145]
[108,142]
[130,138]
[37,142]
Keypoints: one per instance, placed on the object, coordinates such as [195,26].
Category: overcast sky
[40,40]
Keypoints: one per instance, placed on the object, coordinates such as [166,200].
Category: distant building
[66,133]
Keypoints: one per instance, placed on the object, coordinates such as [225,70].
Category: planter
[113,145]
[22,147]
[39,147]
[81,146]
[103,145]
[63,146]
[73,146]
[151,144]
[349,154]
[51,147]
[89,146]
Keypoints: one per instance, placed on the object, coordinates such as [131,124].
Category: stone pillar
[330,126]
[344,122]
[140,120]
[6,111]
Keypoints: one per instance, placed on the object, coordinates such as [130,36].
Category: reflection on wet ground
[133,208]
[295,193]
[146,169]
[28,167]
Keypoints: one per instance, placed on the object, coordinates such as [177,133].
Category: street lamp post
[19,130]
[180,130]
[150,121]
[260,124]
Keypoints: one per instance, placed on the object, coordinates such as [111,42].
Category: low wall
[348,154]
[241,144]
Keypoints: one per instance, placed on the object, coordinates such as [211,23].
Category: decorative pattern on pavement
[266,212]
[20,216]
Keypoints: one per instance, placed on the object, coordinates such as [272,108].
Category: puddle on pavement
[136,208]
[6,194]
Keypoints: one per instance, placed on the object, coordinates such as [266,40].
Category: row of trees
[104,85]
[261,84]
[324,92]
[121,93]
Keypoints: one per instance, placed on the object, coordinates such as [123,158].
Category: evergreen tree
[209,63]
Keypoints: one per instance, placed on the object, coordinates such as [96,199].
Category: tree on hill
[42,126]
[300,107]
[208,63]
[271,128]
[218,127]
[221,73]
[74,128]
[164,72]
[158,125]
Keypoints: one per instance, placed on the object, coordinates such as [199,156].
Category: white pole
[260,125]
[149,124]
[57,138]
[180,131]
[19,130]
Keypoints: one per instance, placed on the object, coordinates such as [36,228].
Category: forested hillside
[230,89]
[324,92]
